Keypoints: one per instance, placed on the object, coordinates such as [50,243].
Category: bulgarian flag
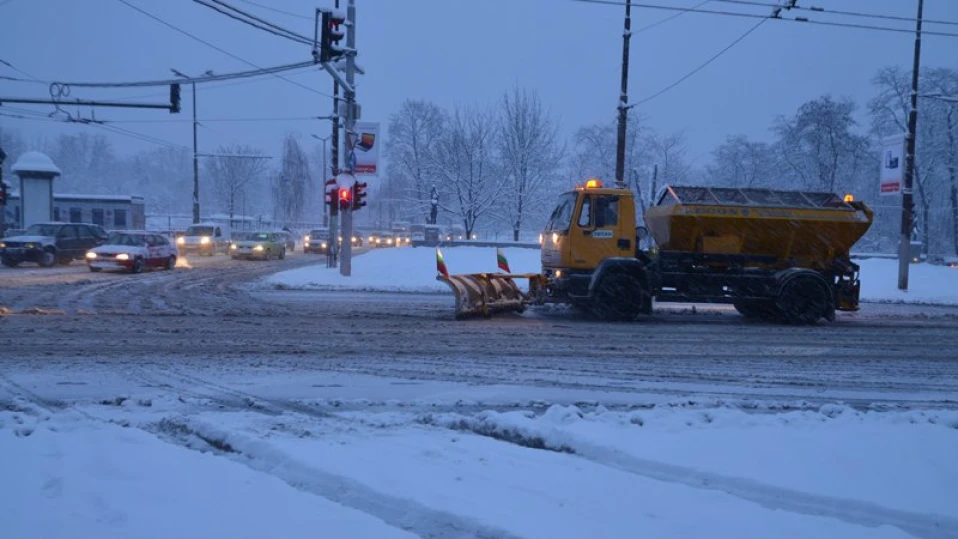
[441,264]
[501,259]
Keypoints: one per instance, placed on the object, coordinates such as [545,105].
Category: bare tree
[291,183]
[936,170]
[464,161]
[668,152]
[529,155]
[414,134]
[819,145]
[594,155]
[234,170]
[739,162]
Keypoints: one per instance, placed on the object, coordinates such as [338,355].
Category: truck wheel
[620,297]
[803,300]
[48,258]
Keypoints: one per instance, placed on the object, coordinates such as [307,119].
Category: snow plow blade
[485,294]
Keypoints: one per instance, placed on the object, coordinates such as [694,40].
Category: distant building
[112,212]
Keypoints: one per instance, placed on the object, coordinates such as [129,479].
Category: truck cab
[590,224]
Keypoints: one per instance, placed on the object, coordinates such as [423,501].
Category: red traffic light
[345,198]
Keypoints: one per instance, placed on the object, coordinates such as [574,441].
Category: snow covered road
[257,413]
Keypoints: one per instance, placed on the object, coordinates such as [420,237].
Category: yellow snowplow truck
[776,255]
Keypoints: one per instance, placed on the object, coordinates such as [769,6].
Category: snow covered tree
[470,179]
[235,169]
[818,144]
[668,152]
[291,183]
[936,156]
[740,162]
[414,135]
[529,155]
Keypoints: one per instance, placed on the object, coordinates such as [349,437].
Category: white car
[133,252]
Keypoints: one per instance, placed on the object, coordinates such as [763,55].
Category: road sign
[892,165]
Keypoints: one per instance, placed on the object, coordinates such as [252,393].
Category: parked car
[132,251]
[51,243]
[259,245]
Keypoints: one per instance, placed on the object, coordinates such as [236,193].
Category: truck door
[599,224]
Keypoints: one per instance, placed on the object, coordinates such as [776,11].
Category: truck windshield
[562,215]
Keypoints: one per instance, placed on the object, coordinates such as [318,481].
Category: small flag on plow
[441,264]
[501,258]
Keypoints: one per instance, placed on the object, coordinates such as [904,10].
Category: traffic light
[174,98]
[359,195]
[345,198]
[329,47]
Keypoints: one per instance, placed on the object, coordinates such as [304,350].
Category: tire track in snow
[402,513]
[861,513]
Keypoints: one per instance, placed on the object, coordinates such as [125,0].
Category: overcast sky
[458,51]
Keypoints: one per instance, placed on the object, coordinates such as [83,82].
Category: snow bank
[67,477]
[927,283]
[404,269]
[413,269]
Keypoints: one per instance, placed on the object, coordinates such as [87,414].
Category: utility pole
[907,197]
[4,194]
[333,251]
[196,163]
[623,99]
[345,268]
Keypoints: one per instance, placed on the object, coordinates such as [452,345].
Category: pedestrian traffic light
[345,198]
[359,195]
[329,47]
[174,98]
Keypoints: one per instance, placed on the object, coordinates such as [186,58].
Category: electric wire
[838,12]
[759,16]
[277,10]
[265,26]
[670,17]
[688,75]
[207,43]
[18,70]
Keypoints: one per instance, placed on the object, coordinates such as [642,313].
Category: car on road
[205,239]
[51,243]
[383,239]
[317,241]
[259,245]
[133,251]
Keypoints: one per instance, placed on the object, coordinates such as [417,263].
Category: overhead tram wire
[277,10]
[688,75]
[759,16]
[670,17]
[207,43]
[289,34]
[825,11]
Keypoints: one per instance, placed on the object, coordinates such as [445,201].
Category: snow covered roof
[35,162]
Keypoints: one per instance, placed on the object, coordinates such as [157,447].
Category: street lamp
[196,166]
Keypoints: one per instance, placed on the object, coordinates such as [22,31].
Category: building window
[56,213]
[119,218]
[76,215]
[97,216]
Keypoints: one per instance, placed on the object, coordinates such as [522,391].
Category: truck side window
[585,212]
[606,211]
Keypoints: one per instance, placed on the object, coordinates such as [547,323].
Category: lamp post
[196,166]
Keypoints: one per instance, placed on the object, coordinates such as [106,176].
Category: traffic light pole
[345,268]
[4,193]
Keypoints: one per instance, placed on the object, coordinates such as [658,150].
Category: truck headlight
[324,245]
[204,240]
[305,238]
[233,246]
[2,245]
[181,240]
[91,256]
[555,238]
[258,248]
[122,256]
